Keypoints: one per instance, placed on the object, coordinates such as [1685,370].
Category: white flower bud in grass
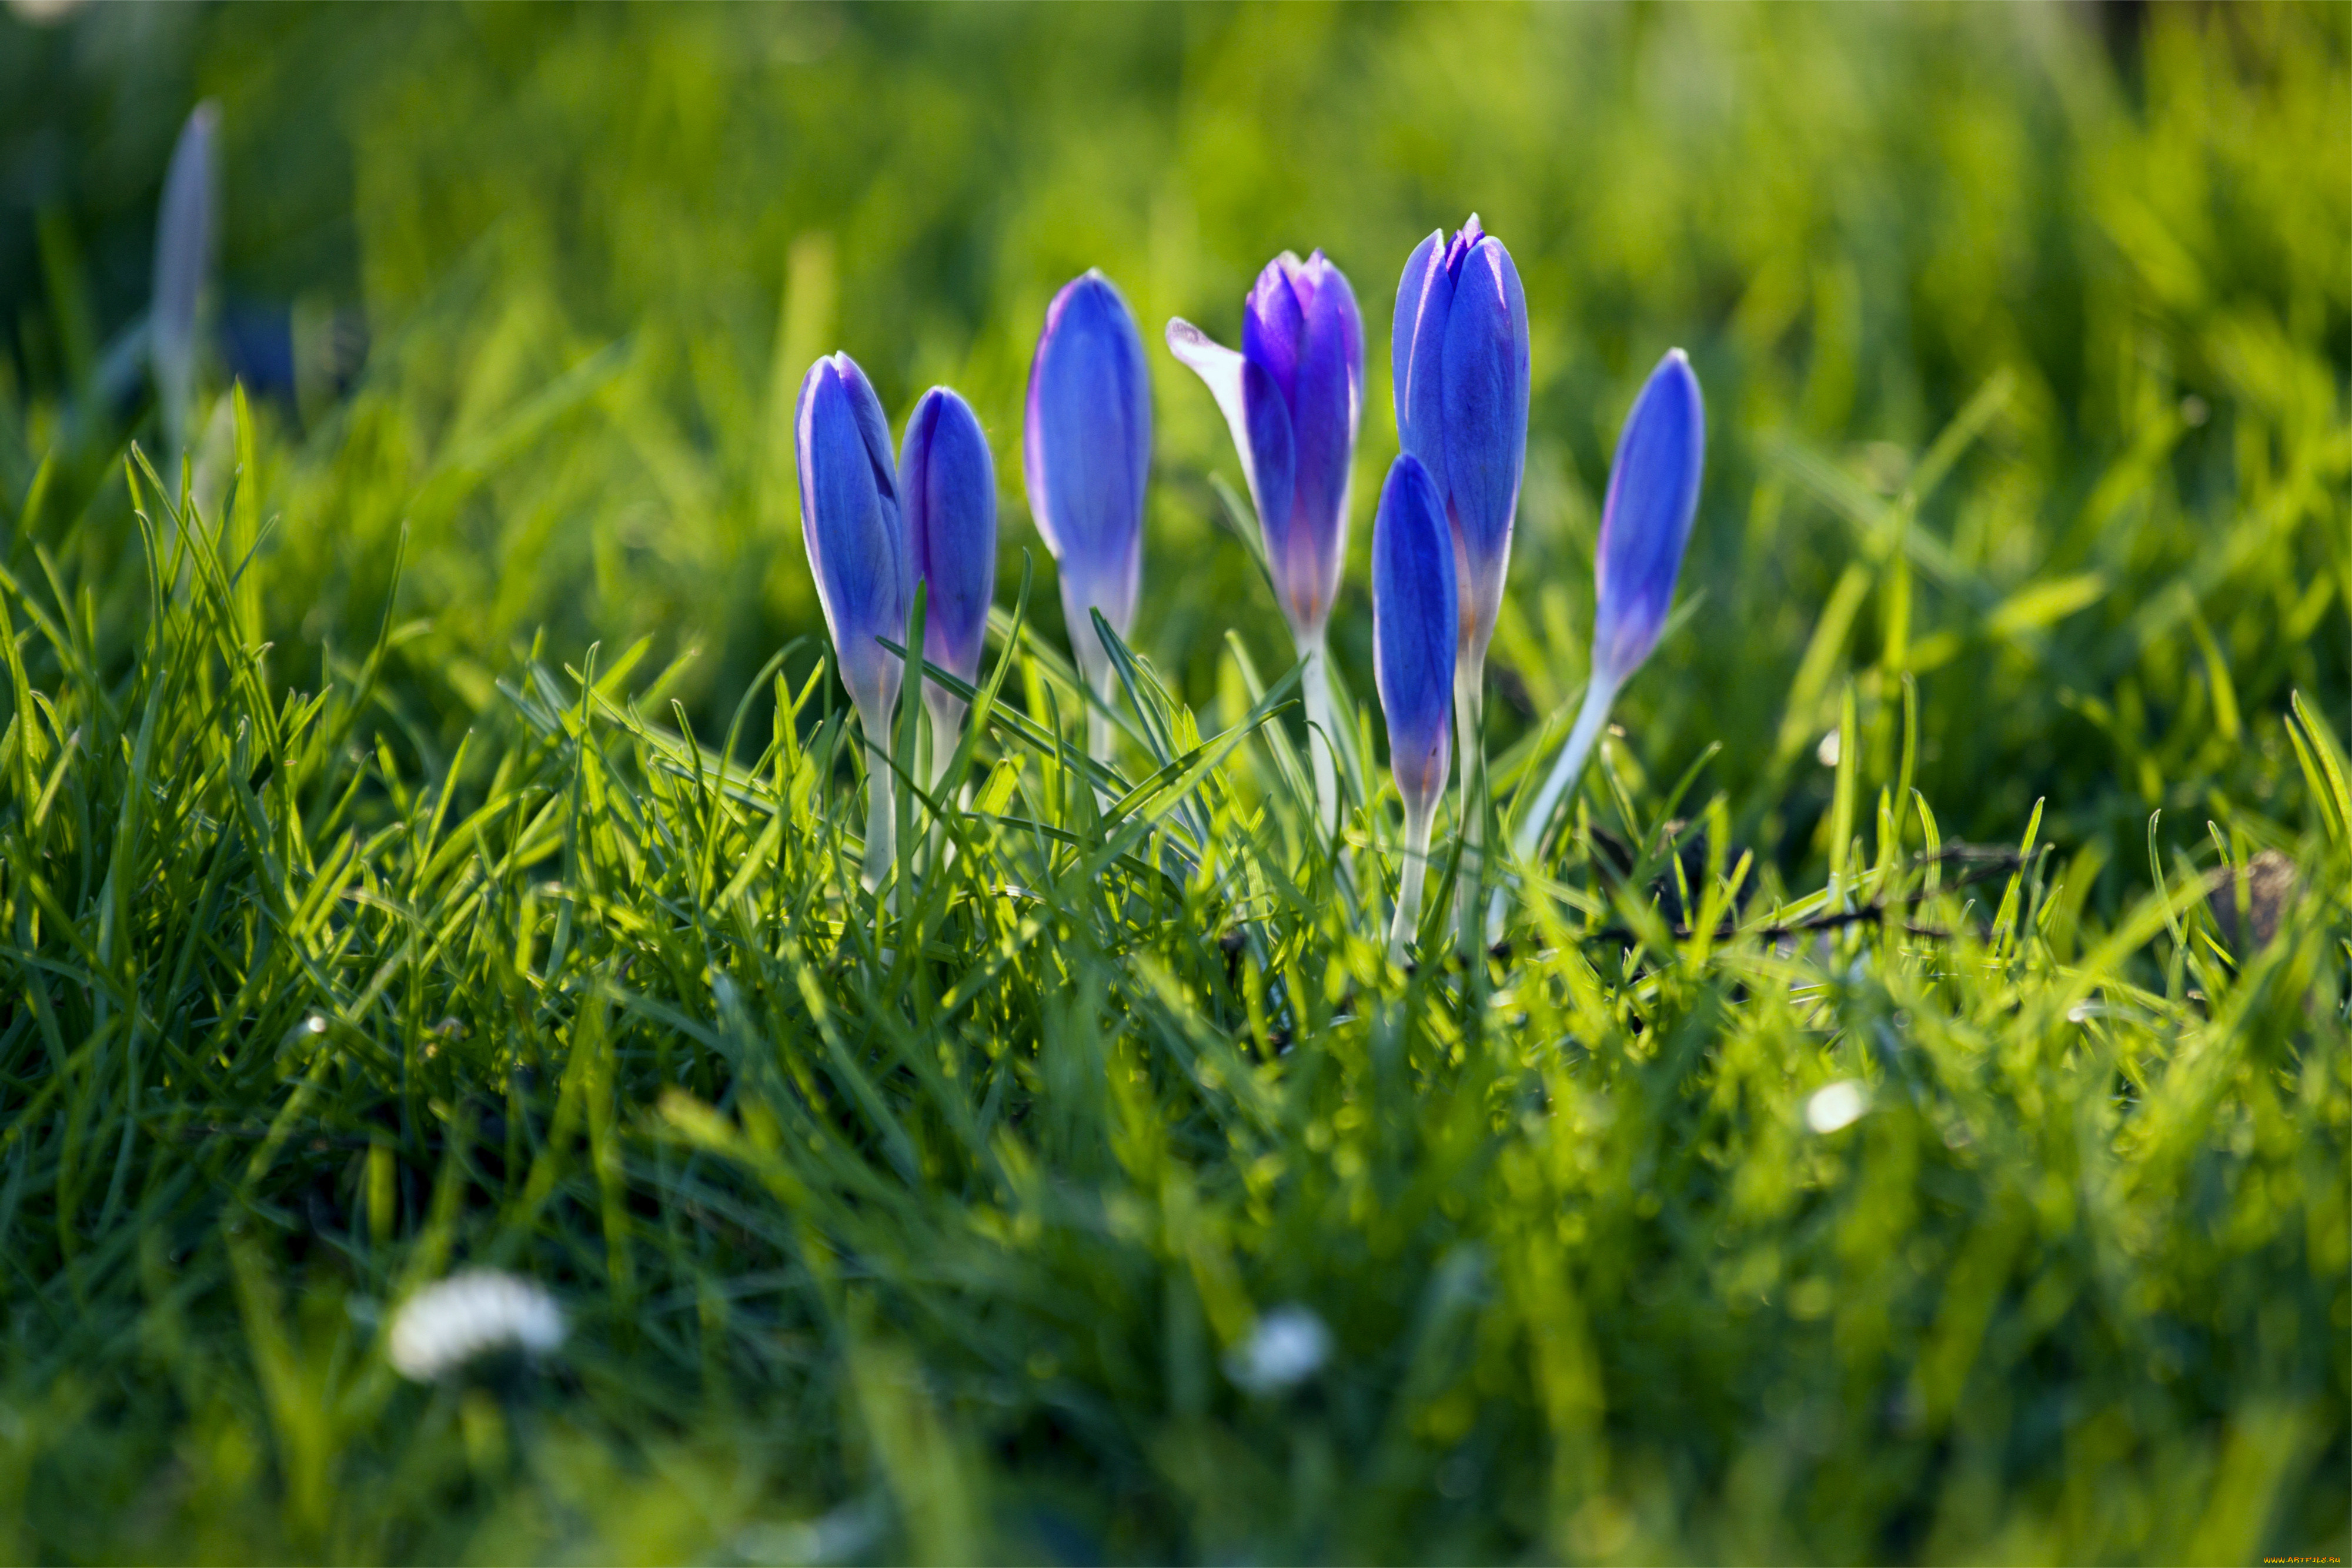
[1840,1104]
[478,1312]
[1288,1346]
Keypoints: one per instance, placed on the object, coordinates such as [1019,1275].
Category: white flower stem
[1469,716]
[881,822]
[1314,685]
[1098,735]
[1096,670]
[947,711]
[875,708]
[1417,819]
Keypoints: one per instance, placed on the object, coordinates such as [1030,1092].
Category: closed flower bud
[947,482]
[1644,524]
[1294,399]
[1085,450]
[1416,624]
[1459,356]
[850,522]
[1646,520]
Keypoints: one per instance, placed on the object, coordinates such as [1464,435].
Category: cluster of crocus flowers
[1458,355]
[1294,397]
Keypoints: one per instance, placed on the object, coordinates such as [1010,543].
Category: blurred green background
[594,249]
[2026,333]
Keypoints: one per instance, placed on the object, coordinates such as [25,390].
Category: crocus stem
[1416,865]
[1590,720]
[1094,669]
[1315,686]
[881,823]
[1101,739]
[1469,715]
[1565,772]
[947,711]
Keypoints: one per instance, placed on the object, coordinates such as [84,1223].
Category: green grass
[435,840]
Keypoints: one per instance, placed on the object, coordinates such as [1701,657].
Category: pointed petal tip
[1677,368]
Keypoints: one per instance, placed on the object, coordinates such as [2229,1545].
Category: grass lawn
[1911,1120]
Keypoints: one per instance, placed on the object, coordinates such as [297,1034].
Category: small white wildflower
[844,1533]
[1288,1346]
[1827,753]
[1840,1104]
[479,1311]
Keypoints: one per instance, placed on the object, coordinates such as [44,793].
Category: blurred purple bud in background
[946,483]
[183,281]
[1086,452]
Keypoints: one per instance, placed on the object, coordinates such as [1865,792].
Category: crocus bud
[947,479]
[1294,398]
[184,254]
[1416,624]
[1644,524]
[1459,355]
[850,522]
[1085,450]
[1646,520]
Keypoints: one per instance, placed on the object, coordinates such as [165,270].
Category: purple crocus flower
[1459,355]
[184,257]
[947,481]
[1294,398]
[1644,524]
[1646,521]
[1416,626]
[1085,449]
[858,551]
